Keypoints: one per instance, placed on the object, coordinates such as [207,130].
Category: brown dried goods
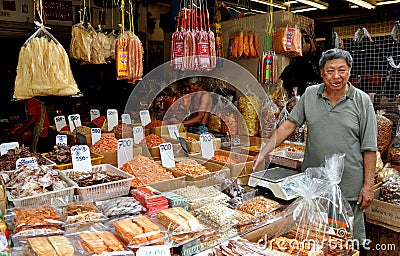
[60,154]
[7,161]
[152,140]
[384,134]
[191,167]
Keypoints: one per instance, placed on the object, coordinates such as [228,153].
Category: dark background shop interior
[102,90]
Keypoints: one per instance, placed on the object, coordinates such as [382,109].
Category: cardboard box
[112,157]
[154,152]
[216,172]
[163,130]
[383,212]
[89,137]
[194,147]
[169,185]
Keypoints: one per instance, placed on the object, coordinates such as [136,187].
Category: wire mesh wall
[372,71]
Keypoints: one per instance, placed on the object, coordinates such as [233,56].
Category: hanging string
[40,11]
[131,17]
[123,15]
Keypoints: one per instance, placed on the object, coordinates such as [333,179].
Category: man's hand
[365,197]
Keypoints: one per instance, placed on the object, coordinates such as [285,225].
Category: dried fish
[362,33]
[85,179]
[396,31]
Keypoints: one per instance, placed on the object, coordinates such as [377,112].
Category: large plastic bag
[320,220]
[81,41]
[287,41]
[43,68]
[269,117]
[249,106]
[384,132]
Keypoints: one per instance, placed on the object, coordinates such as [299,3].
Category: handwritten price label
[156,250]
[26,160]
[126,119]
[167,155]
[236,142]
[74,121]
[173,131]
[60,122]
[81,158]
[94,113]
[207,145]
[96,135]
[145,117]
[62,140]
[112,118]
[4,147]
[125,150]
[138,134]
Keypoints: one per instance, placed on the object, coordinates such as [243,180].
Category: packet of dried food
[386,171]
[394,148]
[287,41]
[249,107]
[384,132]
[269,117]
[51,245]
[99,243]
[43,68]
[390,189]
[218,215]
[36,221]
[320,217]
[82,36]
[82,213]
[120,206]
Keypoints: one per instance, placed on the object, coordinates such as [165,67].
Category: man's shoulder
[313,89]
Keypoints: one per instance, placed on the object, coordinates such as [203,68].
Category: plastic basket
[294,154]
[59,197]
[95,161]
[280,158]
[107,190]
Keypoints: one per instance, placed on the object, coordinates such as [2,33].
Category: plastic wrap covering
[287,41]
[249,106]
[269,117]
[394,149]
[390,190]
[320,221]
[43,68]
[384,133]
[135,59]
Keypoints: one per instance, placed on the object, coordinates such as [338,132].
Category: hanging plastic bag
[394,149]
[287,41]
[81,41]
[135,59]
[384,132]
[249,107]
[43,68]
[121,56]
[320,221]
[269,117]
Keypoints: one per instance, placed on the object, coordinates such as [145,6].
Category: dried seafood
[7,161]
[86,179]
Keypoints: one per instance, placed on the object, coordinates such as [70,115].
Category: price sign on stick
[156,250]
[26,160]
[61,140]
[112,118]
[4,147]
[60,122]
[81,158]
[145,117]
[236,142]
[167,155]
[173,131]
[94,113]
[126,119]
[74,121]
[125,150]
[96,135]
[207,145]
[138,134]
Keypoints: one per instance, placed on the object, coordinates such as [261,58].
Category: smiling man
[340,119]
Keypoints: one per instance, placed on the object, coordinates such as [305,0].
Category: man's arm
[203,109]
[284,131]
[31,122]
[367,192]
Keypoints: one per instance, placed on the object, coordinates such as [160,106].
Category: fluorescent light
[271,4]
[315,3]
[362,3]
[305,10]
[290,2]
[388,2]
[246,9]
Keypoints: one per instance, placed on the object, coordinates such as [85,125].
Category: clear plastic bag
[82,213]
[287,41]
[81,41]
[320,220]
[269,117]
[120,206]
[390,190]
[100,243]
[384,132]
[43,68]
[249,107]
[394,148]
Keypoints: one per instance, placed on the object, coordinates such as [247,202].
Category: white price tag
[236,142]
[94,113]
[138,134]
[74,121]
[4,147]
[81,161]
[112,118]
[173,131]
[207,145]
[26,160]
[155,250]
[167,155]
[145,117]
[60,122]
[96,135]
[61,140]
[126,119]
[125,151]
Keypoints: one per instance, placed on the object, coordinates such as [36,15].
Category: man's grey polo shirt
[348,127]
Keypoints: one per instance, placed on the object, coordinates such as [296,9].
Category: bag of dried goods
[82,36]
[390,190]
[320,220]
[43,68]
[394,149]
[287,41]
[269,117]
[135,59]
[384,132]
[249,106]
[121,55]
[214,124]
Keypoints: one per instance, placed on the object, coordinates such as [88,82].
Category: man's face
[336,74]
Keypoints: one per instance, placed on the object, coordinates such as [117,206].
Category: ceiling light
[315,3]
[388,2]
[305,10]
[362,3]
[246,9]
[271,4]
[290,2]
